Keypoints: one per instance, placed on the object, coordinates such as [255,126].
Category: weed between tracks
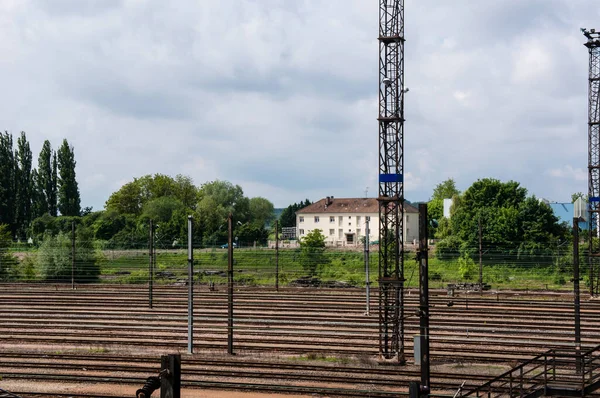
[340,360]
[98,350]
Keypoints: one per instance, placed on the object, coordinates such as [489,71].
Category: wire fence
[87,261]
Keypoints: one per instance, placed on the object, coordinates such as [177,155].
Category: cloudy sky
[280,96]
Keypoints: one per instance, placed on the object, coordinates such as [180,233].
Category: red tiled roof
[348,205]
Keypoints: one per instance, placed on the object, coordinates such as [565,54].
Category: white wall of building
[336,226]
[447,206]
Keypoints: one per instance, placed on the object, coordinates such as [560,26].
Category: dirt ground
[124,391]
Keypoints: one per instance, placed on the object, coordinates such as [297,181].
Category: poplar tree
[53,198]
[7,182]
[68,191]
[23,159]
[37,196]
[44,178]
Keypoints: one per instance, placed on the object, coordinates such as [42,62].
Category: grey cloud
[77,7]
[283,95]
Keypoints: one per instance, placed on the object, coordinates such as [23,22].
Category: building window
[367,218]
[332,219]
[407,218]
[332,232]
[301,232]
[349,217]
[316,218]
[301,219]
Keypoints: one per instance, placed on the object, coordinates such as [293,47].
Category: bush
[559,279]
[467,268]
[447,248]
[435,276]
[26,269]
[137,277]
[54,258]
[312,252]
[8,262]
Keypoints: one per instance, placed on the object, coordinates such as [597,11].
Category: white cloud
[569,172]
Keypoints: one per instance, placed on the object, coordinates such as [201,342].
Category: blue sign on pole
[390,178]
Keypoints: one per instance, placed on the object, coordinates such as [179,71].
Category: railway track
[486,329]
[280,376]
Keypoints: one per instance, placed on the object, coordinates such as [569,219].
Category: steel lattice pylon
[391,179]
[593,45]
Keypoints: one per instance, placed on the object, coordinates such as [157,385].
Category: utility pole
[593,45]
[424,300]
[151,262]
[277,255]
[190,287]
[480,259]
[73,255]
[577,303]
[170,383]
[230,285]
[367,277]
[391,180]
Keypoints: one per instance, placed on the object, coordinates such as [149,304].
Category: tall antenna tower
[593,45]
[391,179]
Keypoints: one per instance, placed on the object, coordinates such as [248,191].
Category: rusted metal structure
[593,45]
[391,179]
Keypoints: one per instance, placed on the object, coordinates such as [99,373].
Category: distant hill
[278,212]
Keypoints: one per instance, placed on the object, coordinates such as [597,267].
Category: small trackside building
[343,221]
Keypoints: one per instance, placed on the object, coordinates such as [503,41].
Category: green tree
[512,223]
[46,185]
[288,216]
[445,190]
[261,211]
[312,251]
[217,200]
[69,203]
[435,213]
[37,196]
[7,182]
[127,200]
[23,185]
[578,195]
[170,215]
[108,224]
[53,194]
[249,233]
[8,262]
[435,207]
[186,191]
[43,225]
[133,196]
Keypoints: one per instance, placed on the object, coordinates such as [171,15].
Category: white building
[447,207]
[343,221]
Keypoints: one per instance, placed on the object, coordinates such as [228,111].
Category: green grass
[322,358]
[257,268]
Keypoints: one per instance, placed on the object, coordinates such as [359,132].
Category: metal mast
[391,179]
[593,45]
